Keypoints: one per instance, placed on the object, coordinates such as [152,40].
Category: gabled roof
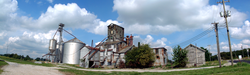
[112,24]
[160,48]
[191,45]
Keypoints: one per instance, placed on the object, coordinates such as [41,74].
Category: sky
[26,26]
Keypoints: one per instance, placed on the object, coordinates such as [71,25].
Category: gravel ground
[24,69]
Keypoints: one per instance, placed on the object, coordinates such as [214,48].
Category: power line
[196,37]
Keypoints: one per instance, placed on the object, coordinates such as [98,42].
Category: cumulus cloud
[168,16]
[71,15]
[8,8]
[29,43]
[241,32]
[29,36]
[154,44]
[102,27]
[150,40]
[246,41]
[225,48]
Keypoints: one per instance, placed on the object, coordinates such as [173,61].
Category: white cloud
[28,36]
[241,32]
[225,48]
[168,16]
[150,40]
[8,8]
[50,1]
[2,35]
[246,41]
[158,43]
[29,43]
[102,27]
[76,18]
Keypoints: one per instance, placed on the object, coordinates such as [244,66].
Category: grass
[213,63]
[25,62]
[246,59]
[239,69]
[2,63]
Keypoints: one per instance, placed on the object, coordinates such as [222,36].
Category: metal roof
[191,45]
[126,49]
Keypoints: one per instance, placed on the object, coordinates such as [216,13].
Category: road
[236,61]
[24,69]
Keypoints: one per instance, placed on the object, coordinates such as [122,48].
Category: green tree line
[21,57]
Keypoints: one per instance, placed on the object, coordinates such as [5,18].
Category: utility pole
[248,53]
[227,14]
[235,54]
[209,52]
[242,51]
[217,40]
[7,48]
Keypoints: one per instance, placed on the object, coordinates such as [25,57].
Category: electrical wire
[196,37]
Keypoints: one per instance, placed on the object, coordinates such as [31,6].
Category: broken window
[157,57]
[156,51]
[165,51]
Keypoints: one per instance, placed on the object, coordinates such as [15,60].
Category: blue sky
[27,25]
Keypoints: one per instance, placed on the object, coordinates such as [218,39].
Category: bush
[242,64]
[140,57]
[122,64]
[180,57]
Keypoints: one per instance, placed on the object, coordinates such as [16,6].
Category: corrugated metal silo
[52,45]
[71,52]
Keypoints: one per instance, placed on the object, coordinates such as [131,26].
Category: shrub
[180,57]
[140,57]
[122,64]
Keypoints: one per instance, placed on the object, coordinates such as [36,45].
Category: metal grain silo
[71,52]
[52,45]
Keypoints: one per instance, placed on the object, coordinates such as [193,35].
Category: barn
[195,55]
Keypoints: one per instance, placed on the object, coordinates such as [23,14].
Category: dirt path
[24,69]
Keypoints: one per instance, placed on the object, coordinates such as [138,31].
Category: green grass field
[2,63]
[239,69]
[25,62]
[213,63]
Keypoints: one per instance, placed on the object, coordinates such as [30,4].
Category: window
[164,61]
[165,51]
[156,51]
[157,57]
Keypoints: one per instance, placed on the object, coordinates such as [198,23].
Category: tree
[140,57]
[180,56]
[37,59]
[15,56]
[207,54]
[27,58]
